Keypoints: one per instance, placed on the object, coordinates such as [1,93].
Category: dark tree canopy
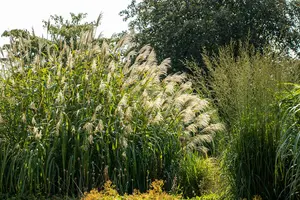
[182,29]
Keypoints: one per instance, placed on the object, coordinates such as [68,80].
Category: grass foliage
[245,87]
[72,119]
[288,157]
[79,115]
[197,175]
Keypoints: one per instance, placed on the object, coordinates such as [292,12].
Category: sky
[28,14]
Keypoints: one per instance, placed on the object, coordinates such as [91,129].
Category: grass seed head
[91,139]
[100,126]
[88,127]
[33,122]
[32,106]
[24,118]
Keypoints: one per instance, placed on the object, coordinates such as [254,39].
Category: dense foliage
[79,112]
[288,157]
[182,29]
[198,176]
[78,116]
[247,89]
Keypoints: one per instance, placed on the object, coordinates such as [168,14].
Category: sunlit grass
[75,118]
[246,87]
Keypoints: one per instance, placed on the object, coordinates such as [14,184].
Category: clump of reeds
[72,118]
[245,86]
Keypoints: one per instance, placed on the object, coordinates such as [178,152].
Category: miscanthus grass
[74,118]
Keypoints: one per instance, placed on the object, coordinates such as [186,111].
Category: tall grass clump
[288,156]
[74,118]
[245,86]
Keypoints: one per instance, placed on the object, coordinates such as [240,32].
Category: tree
[26,43]
[61,32]
[69,31]
[182,29]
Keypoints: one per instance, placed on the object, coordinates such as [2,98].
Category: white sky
[28,14]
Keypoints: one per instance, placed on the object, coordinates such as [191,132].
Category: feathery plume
[213,128]
[203,120]
[90,139]
[158,118]
[102,86]
[192,128]
[188,115]
[98,108]
[100,126]
[33,121]
[32,106]
[128,129]
[88,127]
[60,97]
[178,78]
[94,66]
[24,118]
[128,114]
[186,86]
[57,127]
[170,87]
[37,133]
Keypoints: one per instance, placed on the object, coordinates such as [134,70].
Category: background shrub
[109,193]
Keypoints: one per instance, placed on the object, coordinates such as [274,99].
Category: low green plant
[208,197]
[110,193]
[197,175]
[71,119]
